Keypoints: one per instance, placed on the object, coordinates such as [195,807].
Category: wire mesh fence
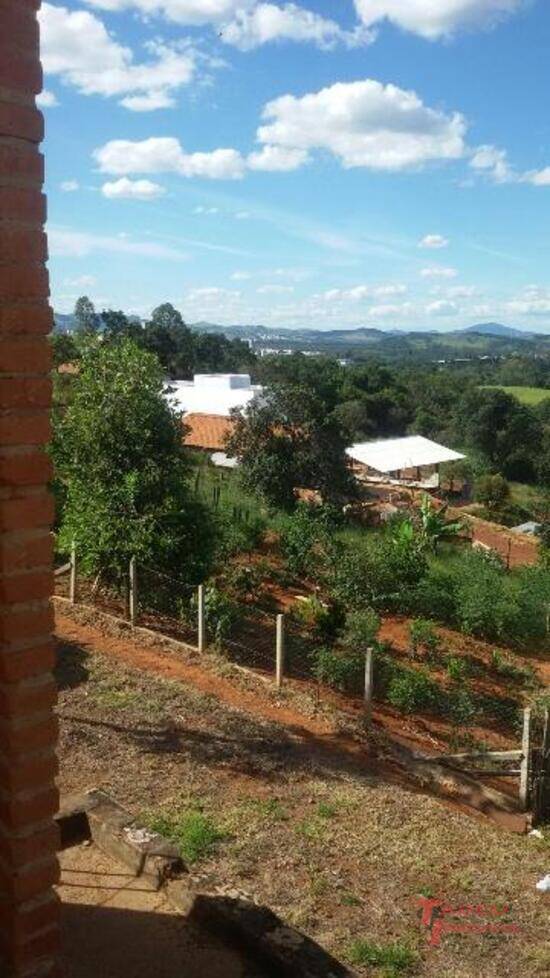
[250,640]
[167,604]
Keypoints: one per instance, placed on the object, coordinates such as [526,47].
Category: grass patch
[525,395]
[193,832]
[391,960]
[115,699]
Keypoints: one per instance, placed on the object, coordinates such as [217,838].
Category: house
[412,461]
[206,403]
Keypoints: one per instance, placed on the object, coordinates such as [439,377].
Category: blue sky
[328,163]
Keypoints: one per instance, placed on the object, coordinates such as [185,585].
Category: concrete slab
[117,926]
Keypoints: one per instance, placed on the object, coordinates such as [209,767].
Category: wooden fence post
[525,771]
[543,781]
[72,579]
[280,651]
[369,672]
[201,639]
[133,592]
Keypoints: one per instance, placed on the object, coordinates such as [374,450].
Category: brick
[25,355]
[23,121]
[19,71]
[27,918]
[26,551]
[29,428]
[30,917]
[27,697]
[20,811]
[30,772]
[34,880]
[22,161]
[18,625]
[43,945]
[24,282]
[31,468]
[17,392]
[26,318]
[26,204]
[27,663]
[24,738]
[21,26]
[26,587]
[22,245]
[33,511]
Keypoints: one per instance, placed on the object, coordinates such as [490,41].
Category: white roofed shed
[213,393]
[401,455]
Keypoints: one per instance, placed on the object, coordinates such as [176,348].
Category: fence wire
[167,604]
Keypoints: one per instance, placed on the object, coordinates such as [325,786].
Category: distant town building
[206,403]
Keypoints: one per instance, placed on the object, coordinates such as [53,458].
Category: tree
[122,470]
[87,320]
[507,432]
[117,326]
[167,336]
[287,440]
[434,526]
[493,492]
[64,349]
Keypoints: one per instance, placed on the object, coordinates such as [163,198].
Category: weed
[326,810]
[193,832]
[270,808]
[393,960]
[311,828]
[114,699]
[422,635]
[349,900]
[412,691]
[457,669]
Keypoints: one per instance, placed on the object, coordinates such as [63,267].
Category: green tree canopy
[287,440]
[87,320]
[123,473]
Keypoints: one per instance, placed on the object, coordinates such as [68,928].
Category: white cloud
[493,162]
[438,271]
[389,310]
[81,282]
[186,12]
[434,241]
[365,123]
[78,48]
[533,301]
[442,307]
[239,276]
[539,178]
[360,293]
[461,292]
[267,22]
[68,243]
[206,210]
[46,100]
[277,158]
[69,186]
[132,189]
[242,215]
[275,289]
[166,155]
[433,19]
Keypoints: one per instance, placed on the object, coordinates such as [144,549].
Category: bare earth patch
[328,844]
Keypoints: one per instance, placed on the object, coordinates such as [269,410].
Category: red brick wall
[28,800]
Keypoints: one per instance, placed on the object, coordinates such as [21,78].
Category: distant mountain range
[481,339]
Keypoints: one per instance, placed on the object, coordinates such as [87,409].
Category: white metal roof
[213,393]
[395,454]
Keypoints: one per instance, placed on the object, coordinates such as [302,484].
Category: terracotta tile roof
[207,431]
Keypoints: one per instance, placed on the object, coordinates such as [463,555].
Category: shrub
[381,574]
[457,668]
[492,491]
[342,670]
[412,691]
[221,614]
[422,635]
[235,536]
[322,619]
[361,629]
[504,666]
[462,707]
[243,579]
[304,535]
[435,597]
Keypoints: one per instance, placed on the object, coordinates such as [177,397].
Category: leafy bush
[322,619]
[305,533]
[422,635]
[412,691]
[236,536]
[382,574]
[361,629]
[434,595]
[462,707]
[492,491]
[221,614]
[458,669]
[342,670]
[504,666]
[243,579]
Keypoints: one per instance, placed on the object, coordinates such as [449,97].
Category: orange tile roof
[207,431]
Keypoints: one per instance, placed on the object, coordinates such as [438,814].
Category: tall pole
[133,591]
[280,651]
[201,642]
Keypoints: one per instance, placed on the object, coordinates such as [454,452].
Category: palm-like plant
[434,527]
